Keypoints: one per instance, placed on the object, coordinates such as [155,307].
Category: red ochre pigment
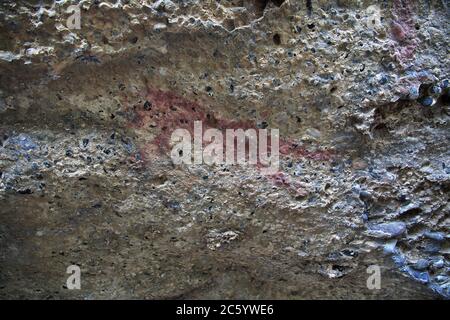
[168,111]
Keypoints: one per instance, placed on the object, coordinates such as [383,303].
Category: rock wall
[358,90]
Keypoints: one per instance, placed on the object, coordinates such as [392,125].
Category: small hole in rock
[278,3]
[277,39]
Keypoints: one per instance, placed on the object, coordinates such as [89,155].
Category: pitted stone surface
[358,90]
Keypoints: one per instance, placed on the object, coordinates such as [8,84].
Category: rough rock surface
[357,88]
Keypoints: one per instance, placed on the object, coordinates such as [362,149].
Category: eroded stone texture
[358,90]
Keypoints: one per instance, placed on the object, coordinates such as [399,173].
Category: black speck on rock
[25,191]
[147,106]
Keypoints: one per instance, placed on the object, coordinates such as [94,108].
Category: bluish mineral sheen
[389,247]
[443,289]
[421,264]
[422,277]
[439,264]
[435,90]
[383,80]
[441,278]
[438,236]
[128,145]
[387,230]
[432,247]
[413,93]
[399,260]
[22,141]
[427,101]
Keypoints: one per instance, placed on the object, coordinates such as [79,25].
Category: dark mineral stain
[309,6]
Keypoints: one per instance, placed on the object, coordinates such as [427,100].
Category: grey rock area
[358,89]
